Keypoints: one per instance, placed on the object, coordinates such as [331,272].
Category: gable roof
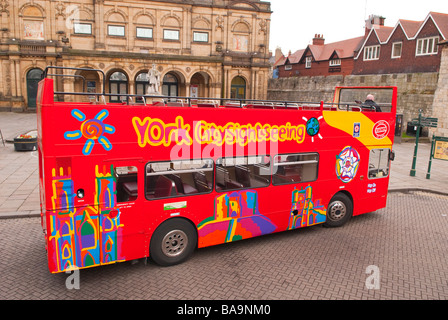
[410,28]
[343,49]
[441,21]
[382,34]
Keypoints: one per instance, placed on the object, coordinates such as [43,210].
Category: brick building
[410,46]
[208,48]
[320,59]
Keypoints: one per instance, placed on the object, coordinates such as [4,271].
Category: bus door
[378,177]
[122,225]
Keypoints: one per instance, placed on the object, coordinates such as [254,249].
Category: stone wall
[415,90]
[440,106]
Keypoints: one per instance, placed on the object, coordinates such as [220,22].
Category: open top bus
[159,177]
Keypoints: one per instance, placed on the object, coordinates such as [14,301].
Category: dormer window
[335,62]
[308,62]
[371,53]
[427,46]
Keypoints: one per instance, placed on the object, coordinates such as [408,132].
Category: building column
[227,83]
[99,24]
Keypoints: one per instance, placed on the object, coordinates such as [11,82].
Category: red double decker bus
[161,177]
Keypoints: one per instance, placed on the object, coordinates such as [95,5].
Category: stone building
[204,48]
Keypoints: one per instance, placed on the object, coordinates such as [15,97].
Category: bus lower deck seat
[223,180]
[201,183]
[182,187]
[164,188]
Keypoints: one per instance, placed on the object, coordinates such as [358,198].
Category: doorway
[32,80]
[238,88]
[170,86]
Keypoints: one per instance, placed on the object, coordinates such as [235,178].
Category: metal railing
[200,102]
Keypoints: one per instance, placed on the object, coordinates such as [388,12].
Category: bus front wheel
[173,242]
[339,210]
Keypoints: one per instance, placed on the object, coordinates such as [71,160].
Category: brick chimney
[374,21]
[318,40]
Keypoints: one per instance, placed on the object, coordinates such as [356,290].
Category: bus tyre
[173,242]
[339,210]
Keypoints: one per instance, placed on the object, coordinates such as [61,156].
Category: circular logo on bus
[312,127]
[381,129]
[347,164]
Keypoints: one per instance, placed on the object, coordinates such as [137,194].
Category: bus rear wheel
[173,242]
[339,211]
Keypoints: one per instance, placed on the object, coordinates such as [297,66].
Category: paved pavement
[19,189]
[396,253]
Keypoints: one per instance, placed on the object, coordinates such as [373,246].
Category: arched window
[118,84]
[170,85]
[141,85]
[238,88]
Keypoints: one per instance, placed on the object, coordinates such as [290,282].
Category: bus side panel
[85,225]
[243,214]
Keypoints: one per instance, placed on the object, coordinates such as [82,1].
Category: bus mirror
[392,156]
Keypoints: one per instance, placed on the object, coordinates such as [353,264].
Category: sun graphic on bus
[91,129]
[313,127]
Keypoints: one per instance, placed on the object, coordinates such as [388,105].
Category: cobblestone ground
[407,242]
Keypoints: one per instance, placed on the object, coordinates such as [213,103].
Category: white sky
[295,22]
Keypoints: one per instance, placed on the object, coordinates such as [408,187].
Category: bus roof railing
[201,102]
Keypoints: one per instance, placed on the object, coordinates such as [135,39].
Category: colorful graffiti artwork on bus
[305,211]
[84,236]
[91,129]
[347,164]
[236,217]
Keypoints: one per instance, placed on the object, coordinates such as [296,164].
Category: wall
[415,91]
[440,109]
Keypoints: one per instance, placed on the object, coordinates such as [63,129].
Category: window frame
[335,62]
[171,172]
[308,61]
[120,184]
[378,167]
[82,24]
[393,50]
[430,40]
[276,164]
[144,37]
[165,38]
[116,26]
[372,53]
[268,176]
[201,33]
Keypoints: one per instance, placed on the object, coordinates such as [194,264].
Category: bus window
[178,178]
[293,168]
[379,163]
[126,183]
[242,172]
